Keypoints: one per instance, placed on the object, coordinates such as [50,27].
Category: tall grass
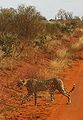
[78,45]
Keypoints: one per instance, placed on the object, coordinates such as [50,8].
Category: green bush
[7,43]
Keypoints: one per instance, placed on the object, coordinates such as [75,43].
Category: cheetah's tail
[72,88]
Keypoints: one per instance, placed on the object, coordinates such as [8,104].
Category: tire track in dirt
[61,111]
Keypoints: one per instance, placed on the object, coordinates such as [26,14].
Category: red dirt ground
[60,111]
[10,101]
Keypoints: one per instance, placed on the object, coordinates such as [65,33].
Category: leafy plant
[7,43]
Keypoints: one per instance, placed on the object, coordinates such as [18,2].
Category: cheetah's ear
[24,81]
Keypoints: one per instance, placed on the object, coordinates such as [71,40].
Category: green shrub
[7,43]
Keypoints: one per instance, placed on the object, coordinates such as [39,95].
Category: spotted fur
[34,86]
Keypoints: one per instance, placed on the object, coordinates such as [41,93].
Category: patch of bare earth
[10,95]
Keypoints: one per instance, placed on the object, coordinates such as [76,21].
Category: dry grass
[78,45]
[7,63]
[62,53]
[58,64]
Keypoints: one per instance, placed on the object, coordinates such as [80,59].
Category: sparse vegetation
[33,47]
[7,43]
[78,46]
[25,29]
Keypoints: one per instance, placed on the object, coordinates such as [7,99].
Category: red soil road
[58,110]
[74,111]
